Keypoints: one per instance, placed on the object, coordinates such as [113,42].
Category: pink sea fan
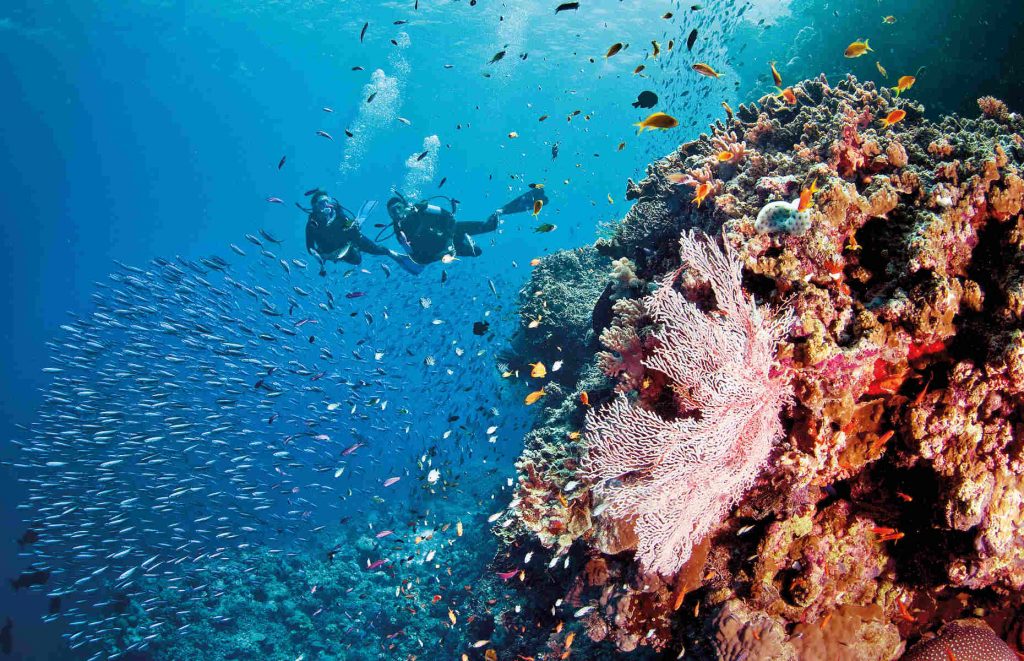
[677,479]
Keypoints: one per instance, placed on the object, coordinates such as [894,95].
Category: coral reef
[892,502]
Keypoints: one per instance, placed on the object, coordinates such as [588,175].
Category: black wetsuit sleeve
[310,238]
[369,247]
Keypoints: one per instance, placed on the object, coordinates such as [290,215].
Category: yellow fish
[451,616]
[881,70]
[657,49]
[888,20]
[705,70]
[458,528]
[904,83]
[658,120]
[858,48]
[534,396]
[724,156]
[775,74]
[537,206]
[538,371]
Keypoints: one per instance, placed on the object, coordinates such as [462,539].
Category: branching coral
[675,479]
[728,143]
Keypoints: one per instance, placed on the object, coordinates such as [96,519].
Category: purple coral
[676,479]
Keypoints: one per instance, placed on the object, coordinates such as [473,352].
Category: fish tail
[868,48]
[640,128]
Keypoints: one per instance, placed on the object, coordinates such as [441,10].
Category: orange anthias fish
[658,120]
[724,156]
[534,396]
[701,193]
[904,83]
[537,206]
[538,371]
[893,117]
[705,70]
[789,95]
[858,48]
[775,74]
[585,398]
[807,197]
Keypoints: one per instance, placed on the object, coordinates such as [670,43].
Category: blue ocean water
[135,131]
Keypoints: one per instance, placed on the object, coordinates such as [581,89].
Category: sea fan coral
[675,479]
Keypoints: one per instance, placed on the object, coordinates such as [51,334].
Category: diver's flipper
[365,211]
[407,263]
[524,202]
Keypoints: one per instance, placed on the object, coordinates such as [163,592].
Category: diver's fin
[524,202]
[407,263]
[365,211]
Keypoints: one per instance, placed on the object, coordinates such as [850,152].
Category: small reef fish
[543,229]
[701,193]
[534,396]
[655,49]
[881,70]
[904,83]
[690,40]
[325,134]
[888,20]
[807,197]
[788,95]
[658,120]
[538,371]
[566,6]
[537,206]
[893,117]
[858,48]
[391,480]
[705,70]
[615,48]
[585,398]
[775,74]
[505,575]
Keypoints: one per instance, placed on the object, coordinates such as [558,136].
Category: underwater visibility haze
[518,330]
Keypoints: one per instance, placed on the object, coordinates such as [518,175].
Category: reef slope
[894,500]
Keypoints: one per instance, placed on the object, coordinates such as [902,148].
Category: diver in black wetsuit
[430,233]
[333,234]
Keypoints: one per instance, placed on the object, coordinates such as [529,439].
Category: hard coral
[963,640]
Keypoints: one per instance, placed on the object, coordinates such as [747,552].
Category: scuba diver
[429,233]
[333,234]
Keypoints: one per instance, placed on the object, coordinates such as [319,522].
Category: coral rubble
[894,500]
